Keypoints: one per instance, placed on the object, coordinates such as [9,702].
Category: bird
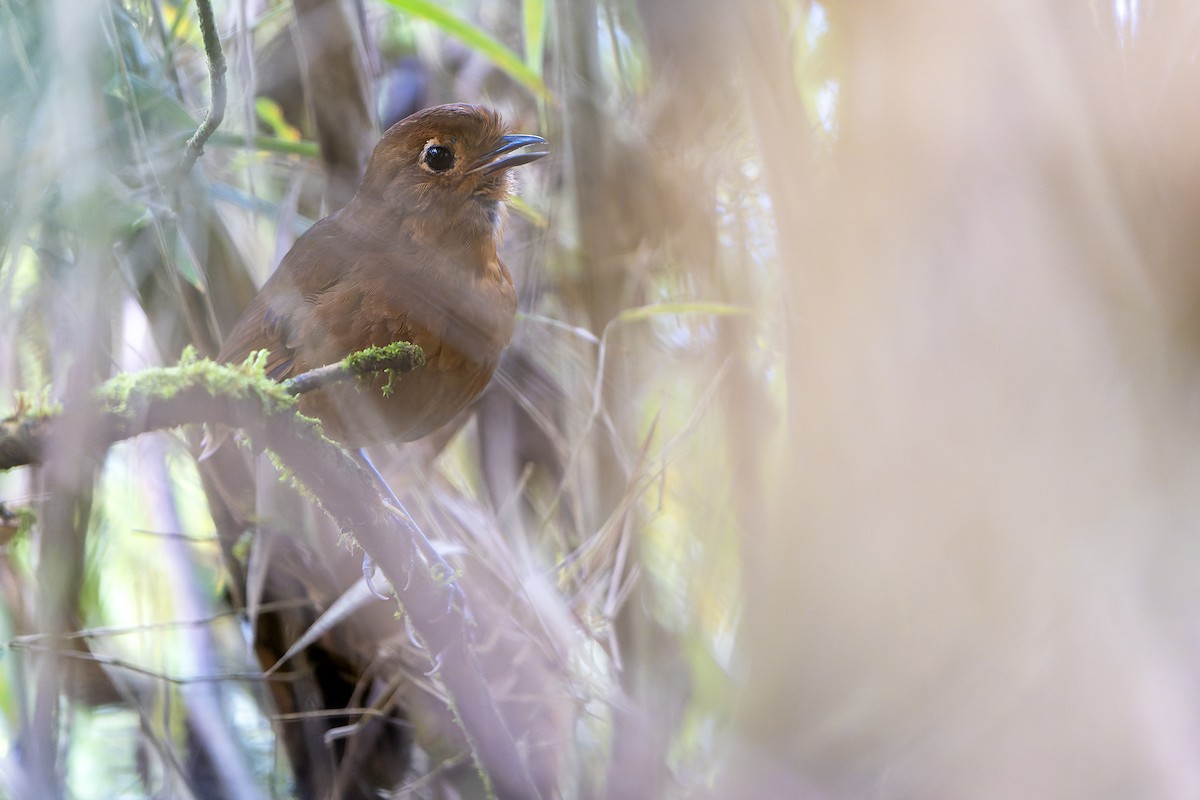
[412,257]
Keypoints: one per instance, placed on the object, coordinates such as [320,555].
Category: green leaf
[475,38]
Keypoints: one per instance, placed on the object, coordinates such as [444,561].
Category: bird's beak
[499,159]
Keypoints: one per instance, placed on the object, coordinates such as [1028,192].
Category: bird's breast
[461,320]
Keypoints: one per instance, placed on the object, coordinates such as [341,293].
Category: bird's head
[447,169]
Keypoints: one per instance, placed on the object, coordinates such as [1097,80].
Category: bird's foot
[368,569]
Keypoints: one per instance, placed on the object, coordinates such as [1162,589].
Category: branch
[202,391]
[216,72]
[24,434]
[23,439]
[397,357]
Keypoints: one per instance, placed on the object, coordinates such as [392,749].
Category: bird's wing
[264,325]
[275,317]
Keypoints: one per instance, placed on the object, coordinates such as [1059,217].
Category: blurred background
[847,446]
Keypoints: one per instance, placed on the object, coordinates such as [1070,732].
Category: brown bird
[412,258]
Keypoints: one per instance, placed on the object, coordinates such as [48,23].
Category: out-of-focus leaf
[231,194]
[151,101]
[271,114]
[477,39]
[128,216]
[179,20]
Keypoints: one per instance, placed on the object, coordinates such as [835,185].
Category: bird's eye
[439,158]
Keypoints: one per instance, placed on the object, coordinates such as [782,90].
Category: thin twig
[216,72]
[137,669]
[389,359]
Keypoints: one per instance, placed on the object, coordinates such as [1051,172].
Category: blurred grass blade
[476,39]
[580,333]
[528,212]
[186,262]
[533,21]
[658,309]
[267,144]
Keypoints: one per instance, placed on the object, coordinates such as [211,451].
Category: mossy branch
[391,359]
[165,397]
[201,391]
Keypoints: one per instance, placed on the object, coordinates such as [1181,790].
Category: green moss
[33,405]
[248,379]
[162,383]
[378,358]
[287,475]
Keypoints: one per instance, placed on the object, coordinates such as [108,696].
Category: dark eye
[439,158]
